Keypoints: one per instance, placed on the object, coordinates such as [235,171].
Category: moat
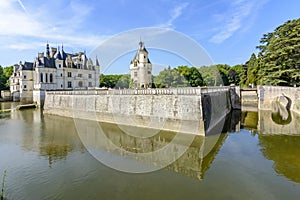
[45,157]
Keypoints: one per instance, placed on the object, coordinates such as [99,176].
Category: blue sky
[228,30]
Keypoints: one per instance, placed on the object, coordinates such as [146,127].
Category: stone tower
[141,68]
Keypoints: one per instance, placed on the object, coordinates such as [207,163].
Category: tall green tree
[8,71]
[2,79]
[115,80]
[5,73]
[211,75]
[169,78]
[278,60]
[191,75]
[252,67]
[238,69]
[182,76]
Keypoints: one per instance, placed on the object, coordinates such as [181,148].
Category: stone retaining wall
[175,109]
[268,94]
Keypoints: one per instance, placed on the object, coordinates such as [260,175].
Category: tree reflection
[284,150]
[58,138]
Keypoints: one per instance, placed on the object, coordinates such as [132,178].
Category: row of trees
[181,76]
[5,73]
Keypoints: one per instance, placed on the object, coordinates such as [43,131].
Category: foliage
[278,59]
[169,78]
[220,74]
[192,75]
[5,73]
[115,81]
[182,76]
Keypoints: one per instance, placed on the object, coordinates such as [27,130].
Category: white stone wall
[268,94]
[177,109]
[165,111]
[26,85]
[139,70]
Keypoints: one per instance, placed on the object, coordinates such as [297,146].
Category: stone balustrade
[155,91]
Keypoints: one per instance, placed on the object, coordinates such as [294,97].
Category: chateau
[55,70]
[141,68]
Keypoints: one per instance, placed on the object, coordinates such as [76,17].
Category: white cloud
[27,28]
[240,10]
[174,14]
[24,46]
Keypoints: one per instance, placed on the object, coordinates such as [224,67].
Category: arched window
[42,78]
[80,84]
[51,78]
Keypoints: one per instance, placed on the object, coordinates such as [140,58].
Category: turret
[141,68]
[47,50]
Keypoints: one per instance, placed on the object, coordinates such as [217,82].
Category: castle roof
[141,49]
[49,62]
[27,66]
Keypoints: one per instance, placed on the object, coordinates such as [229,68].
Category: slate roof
[27,66]
[49,62]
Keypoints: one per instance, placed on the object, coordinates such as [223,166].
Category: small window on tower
[59,65]
[149,72]
[24,76]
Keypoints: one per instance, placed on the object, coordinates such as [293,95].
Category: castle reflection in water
[56,137]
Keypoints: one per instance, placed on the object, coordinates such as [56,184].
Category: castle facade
[53,70]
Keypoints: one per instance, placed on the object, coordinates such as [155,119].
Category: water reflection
[58,138]
[284,151]
[46,159]
[53,137]
[279,137]
[249,120]
[273,123]
[164,150]
[192,163]
[8,105]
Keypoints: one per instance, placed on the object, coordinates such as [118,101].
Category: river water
[50,157]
